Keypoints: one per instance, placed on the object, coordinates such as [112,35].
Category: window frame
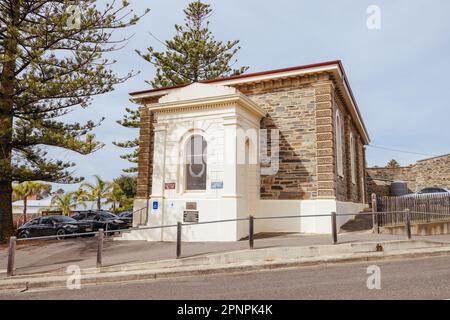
[353,158]
[204,157]
[339,145]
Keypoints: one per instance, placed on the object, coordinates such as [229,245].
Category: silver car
[434,190]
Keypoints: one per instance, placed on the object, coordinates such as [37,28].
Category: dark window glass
[196,149]
[46,220]
[64,219]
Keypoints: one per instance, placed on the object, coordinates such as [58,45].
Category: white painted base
[226,208]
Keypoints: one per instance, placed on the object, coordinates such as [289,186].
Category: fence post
[179,228]
[251,230]
[11,256]
[334,227]
[374,214]
[99,247]
[408,223]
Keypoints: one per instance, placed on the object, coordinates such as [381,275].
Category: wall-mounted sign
[170,186]
[191,205]
[217,185]
[190,216]
[155,205]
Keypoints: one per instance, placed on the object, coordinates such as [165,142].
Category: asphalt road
[400,279]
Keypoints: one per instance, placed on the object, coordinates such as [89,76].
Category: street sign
[217,185]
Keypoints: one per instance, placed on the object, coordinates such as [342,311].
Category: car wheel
[60,234]
[24,235]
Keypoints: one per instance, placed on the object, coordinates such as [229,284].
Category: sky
[399,73]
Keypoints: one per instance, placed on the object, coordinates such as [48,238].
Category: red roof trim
[247,75]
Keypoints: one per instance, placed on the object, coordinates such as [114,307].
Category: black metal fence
[423,208]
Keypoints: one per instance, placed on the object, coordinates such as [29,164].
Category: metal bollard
[179,229]
[11,256]
[251,230]
[334,227]
[408,223]
[375,223]
[100,237]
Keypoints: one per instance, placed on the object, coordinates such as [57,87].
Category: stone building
[432,172]
[281,142]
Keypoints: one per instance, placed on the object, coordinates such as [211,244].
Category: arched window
[196,148]
[353,157]
[340,162]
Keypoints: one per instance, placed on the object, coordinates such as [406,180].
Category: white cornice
[210,102]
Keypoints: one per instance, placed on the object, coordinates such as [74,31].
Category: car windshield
[31,222]
[108,215]
[125,214]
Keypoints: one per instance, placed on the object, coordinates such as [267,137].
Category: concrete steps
[361,222]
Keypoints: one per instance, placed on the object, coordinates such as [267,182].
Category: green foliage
[393,164]
[192,55]
[48,66]
[128,184]
[66,202]
[95,191]
[27,189]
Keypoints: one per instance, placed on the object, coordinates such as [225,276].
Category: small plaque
[155,205]
[217,185]
[170,186]
[190,216]
[191,205]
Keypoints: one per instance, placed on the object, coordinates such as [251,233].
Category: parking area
[55,256]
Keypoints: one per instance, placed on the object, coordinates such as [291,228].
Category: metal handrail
[179,226]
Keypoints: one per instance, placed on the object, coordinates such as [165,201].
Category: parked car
[127,216]
[434,190]
[59,226]
[101,220]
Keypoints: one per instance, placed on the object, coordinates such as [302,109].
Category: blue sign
[217,185]
[155,205]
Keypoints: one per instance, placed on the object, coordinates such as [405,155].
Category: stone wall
[303,109]
[290,106]
[434,172]
[145,160]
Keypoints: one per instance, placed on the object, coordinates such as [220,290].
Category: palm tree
[97,191]
[27,189]
[393,164]
[66,202]
[116,196]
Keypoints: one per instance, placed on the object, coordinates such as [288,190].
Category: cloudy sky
[400,74]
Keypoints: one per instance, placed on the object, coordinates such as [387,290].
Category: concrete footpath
[56,256]
[235,261]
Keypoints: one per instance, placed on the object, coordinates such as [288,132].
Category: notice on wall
[215,185]
[191,205]
[190,216]
[170,186]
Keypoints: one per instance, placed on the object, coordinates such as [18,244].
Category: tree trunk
[99,204]
[7,90]
[6,218]
[25,203]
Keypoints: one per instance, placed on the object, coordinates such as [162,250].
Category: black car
[127,216]
[59,226]
[101,220]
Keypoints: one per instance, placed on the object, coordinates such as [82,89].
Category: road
[400,279]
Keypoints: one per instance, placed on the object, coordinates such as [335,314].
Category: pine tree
[51,61]
[191,56]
